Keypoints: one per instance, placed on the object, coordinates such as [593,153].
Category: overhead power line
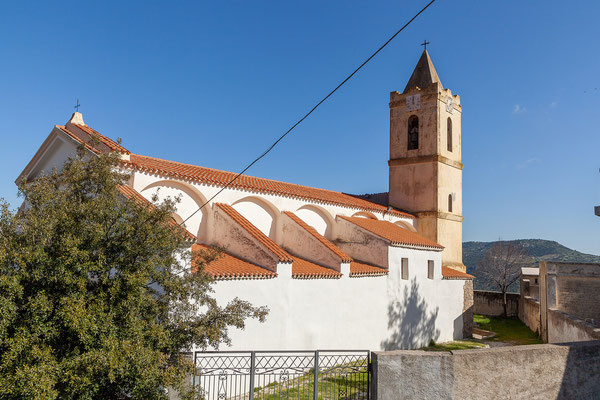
[310,112]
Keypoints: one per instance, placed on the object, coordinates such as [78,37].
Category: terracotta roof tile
[215,177]
[304,269]
[71,134]
[361,269]
[450,273]
[227,266]
[133,194]
[392,232]
[254,231]
[114,146]
[333,248]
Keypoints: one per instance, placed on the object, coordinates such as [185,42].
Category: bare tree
[501,266]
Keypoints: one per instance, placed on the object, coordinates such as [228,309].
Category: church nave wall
[381,312]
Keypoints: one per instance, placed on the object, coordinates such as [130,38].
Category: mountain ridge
[537,250]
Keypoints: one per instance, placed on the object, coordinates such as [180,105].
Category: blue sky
[213,83]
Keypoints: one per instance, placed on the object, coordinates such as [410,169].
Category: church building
[336,270]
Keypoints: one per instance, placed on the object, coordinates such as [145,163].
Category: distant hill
[537,249]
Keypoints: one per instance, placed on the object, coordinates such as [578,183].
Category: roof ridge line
[163,170]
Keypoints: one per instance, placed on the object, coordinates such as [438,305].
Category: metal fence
[271,375]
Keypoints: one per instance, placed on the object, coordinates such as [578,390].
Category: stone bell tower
[425,159]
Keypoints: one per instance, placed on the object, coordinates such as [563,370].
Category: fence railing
[302,375]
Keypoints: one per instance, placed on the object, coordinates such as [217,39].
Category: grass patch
[510,330]
[455,345]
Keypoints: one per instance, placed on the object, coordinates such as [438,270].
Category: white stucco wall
[313,218]
[188,200]
[258,213]
[373,313]
[59,149]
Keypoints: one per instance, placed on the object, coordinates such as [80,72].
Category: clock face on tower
[449,104]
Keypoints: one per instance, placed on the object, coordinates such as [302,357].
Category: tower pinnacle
[424,74]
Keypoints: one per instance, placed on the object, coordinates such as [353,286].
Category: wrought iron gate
[302,375]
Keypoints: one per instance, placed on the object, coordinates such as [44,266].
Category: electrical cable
[310,112]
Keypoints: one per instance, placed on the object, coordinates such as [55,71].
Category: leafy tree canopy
[97,300]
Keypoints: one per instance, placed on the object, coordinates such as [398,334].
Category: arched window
[413,132]
[449,140]
[449,203]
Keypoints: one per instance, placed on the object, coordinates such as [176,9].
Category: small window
[536,281]
[405,268]
[449,139]
[413,132]
[430,266]
[449,203]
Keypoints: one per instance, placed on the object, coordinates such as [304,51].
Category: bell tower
[425,158]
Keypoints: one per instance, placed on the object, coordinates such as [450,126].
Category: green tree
[97,300]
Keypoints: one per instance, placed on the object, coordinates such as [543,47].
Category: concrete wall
[491,303]
[569,371]
[529,313]
[563,328]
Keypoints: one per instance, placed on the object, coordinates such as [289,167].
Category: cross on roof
[425,43]
[77,106]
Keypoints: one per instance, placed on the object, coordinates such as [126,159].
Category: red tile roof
[254,231]
[333,248]
[392,232]
[361,269]
[227,266]
[216,177]
[114,146]
[133,194]
[72,135]
[304,269]
[450,273]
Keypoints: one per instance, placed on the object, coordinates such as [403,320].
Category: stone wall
[569,297]
[468,308]
[564,328]
[490,303]
[529,313]
[543,371]
[574,295]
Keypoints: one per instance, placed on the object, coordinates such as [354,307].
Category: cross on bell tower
[77,106]
[424,44]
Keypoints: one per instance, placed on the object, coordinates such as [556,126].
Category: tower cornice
[425,159]
[440,215]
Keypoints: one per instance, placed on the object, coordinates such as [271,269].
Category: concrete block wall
[569,371]
[490,303]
